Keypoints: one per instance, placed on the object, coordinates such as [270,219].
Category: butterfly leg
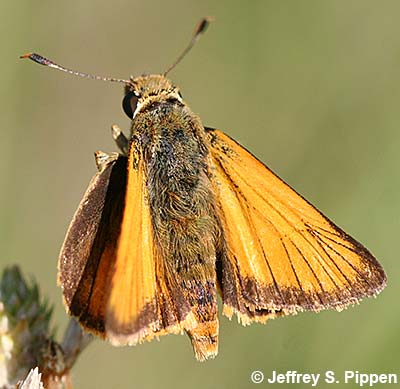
[120,139]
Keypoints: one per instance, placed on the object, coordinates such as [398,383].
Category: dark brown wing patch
[88,253]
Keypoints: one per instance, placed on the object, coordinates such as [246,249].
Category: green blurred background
[311,87]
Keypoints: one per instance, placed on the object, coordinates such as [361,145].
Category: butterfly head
[143,91]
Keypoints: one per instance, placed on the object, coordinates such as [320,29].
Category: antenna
[200,29]
[48,62]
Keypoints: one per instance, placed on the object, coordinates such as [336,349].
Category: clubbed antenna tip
[200,29]
[48,62]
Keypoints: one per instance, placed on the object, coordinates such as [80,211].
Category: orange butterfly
[183,211]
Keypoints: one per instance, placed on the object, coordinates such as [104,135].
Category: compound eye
[129,104]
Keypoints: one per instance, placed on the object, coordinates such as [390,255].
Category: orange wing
[113,280]
[144,300]
[282,255]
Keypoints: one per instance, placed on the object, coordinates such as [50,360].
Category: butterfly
[183,212]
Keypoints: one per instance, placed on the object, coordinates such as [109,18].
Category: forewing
[145,299]
[282,255]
